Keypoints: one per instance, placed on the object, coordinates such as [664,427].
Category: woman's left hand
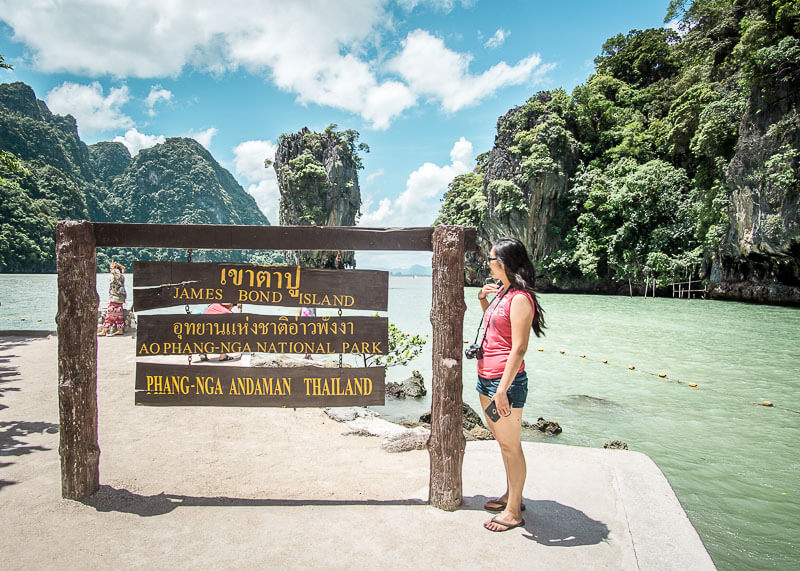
[503,407]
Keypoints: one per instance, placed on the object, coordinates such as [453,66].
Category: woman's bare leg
[484,403]
[507,431]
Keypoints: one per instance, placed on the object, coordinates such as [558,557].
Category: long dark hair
[522,275]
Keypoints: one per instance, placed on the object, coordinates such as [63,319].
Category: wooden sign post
[179,283]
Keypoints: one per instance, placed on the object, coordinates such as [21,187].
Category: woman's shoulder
[518,297]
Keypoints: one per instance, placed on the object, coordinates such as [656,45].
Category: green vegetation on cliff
[47,174]
[318,182]
[680,154]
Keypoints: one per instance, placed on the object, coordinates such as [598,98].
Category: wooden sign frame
[76,243]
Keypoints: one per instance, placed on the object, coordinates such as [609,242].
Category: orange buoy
[540,349]
[562,351]
[692,385]
[631,367]
[583,356]
[662,375]
[767,403]
[604,361]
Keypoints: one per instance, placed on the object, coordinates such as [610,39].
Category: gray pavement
[188,488]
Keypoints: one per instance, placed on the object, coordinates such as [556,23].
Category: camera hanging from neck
[475,351]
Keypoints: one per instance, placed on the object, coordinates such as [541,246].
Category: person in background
[507,323]
[219,308]
[307,312]
[115,317]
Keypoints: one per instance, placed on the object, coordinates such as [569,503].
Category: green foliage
[640,57]
[349,138]
[632,220]
[403,348]
[782,170]
[509,198]
[464,202]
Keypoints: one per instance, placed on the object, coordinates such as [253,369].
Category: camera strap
[497,298]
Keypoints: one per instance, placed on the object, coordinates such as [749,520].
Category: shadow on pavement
[110,499]
[11,431]
[551,523]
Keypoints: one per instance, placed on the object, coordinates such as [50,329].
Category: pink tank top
[497,345]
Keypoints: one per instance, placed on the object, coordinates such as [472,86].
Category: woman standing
[507,323]
[115,317]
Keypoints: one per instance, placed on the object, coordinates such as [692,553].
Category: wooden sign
[165,284]
[209,385]
[182,334]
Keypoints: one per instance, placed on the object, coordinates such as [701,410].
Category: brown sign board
[166,284]
[185,334]
[211,385]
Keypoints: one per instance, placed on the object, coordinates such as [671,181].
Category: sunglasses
[490,259]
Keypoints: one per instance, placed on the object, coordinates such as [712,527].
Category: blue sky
[423,81]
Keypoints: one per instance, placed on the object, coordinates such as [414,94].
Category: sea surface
[733,463]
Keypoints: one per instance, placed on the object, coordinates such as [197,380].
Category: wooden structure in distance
[76,243]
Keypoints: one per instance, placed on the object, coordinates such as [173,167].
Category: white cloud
[94,111]
[136,141]
[157,93]
[312,48]
[440,5]
[203,137]
[249,164]
[418,204]
[372,176]
[379,217]
[497,39]
[430,68]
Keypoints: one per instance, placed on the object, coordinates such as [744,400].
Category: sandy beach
[259,487]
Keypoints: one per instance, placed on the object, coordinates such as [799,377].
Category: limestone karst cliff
[59,177]
[677,159]
[318,180]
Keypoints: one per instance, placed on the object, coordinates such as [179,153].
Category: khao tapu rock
[318,182]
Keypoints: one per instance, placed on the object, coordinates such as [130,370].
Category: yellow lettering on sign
[335,386]
[207,386]
[259,296]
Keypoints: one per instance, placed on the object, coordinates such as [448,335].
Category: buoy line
[662,375]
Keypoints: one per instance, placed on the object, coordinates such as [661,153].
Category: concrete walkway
[251,488]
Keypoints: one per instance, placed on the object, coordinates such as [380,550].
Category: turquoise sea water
[734,465]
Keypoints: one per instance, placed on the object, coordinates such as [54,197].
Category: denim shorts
[517,392]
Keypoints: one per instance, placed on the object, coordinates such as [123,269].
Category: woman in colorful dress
[115,316]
